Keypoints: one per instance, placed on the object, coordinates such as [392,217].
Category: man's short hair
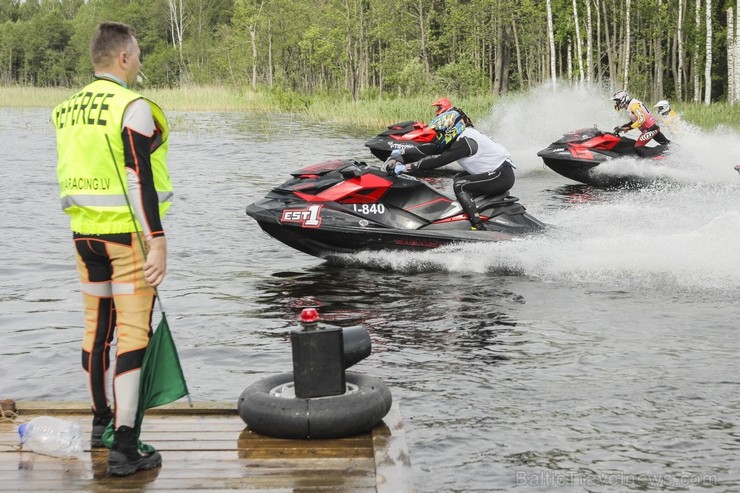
[109,39]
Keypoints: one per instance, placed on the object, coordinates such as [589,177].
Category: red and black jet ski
[345,206]
[402,135]
[578,153]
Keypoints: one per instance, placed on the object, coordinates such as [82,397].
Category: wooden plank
[183,460]
[222,473]
[212,451]
[149,481]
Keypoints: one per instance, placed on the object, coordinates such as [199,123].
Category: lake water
[600,357]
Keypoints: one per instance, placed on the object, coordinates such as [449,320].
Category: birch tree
[517,46]
[569,61]
[708,56]
[352,12]
[730,56]
[177,24]
[421,13]
[247,15]
[659,52]
[579,45]
[589,43]
[736,56]
[679,40]
[731,48]
[551,37]
[627,43]
[695,64]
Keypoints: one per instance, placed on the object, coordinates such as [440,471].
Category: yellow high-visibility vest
[89,185]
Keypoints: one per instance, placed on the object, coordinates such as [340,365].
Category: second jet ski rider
[487,166]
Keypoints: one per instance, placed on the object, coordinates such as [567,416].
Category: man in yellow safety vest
[114,184]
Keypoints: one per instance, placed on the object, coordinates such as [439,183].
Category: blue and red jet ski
[346,206]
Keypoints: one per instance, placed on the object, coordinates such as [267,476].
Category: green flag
[162,380]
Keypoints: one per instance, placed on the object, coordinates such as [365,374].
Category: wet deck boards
[208,447]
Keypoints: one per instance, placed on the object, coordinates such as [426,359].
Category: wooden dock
[208,447]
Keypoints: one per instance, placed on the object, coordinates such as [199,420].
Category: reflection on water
[470,315]
[577,194]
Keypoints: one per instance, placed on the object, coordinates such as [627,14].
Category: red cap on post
[309,316]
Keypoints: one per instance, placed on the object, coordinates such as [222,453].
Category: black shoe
[99,424]
[125,459]
[478,227]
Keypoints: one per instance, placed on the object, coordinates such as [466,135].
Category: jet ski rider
[641,119]
[668,117]
[487,164]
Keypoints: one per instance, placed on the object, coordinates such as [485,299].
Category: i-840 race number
[367,209]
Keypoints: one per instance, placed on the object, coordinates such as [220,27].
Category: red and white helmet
[621,100]
[442,105]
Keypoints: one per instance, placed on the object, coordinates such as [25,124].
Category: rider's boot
[477,226]
[468,205]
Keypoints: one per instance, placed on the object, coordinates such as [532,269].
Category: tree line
[686,50]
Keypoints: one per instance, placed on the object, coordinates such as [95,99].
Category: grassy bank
[364,114]
[367,113]
[710,117]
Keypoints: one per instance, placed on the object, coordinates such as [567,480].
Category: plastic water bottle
[51,436]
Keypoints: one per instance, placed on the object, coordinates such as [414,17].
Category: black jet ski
[578,154]
[345,206]
[403,135]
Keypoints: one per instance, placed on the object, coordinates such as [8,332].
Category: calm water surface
[600,357]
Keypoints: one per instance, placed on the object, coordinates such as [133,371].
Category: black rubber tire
[317,417]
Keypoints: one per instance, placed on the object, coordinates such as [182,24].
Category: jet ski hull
[590,173]
[326,240]
[572,169]
[381,147]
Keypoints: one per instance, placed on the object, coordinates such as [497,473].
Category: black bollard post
[321,354]
[318,358]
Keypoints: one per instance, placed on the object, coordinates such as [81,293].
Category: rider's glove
[397,154]
[394,167]
[617,130]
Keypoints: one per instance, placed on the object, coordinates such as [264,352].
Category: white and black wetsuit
[487,168]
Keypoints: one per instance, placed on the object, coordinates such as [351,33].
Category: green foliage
[641,78]
[46,60]
[373,48]
[320,47]
[461,78]
[410,79]
[161,66]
